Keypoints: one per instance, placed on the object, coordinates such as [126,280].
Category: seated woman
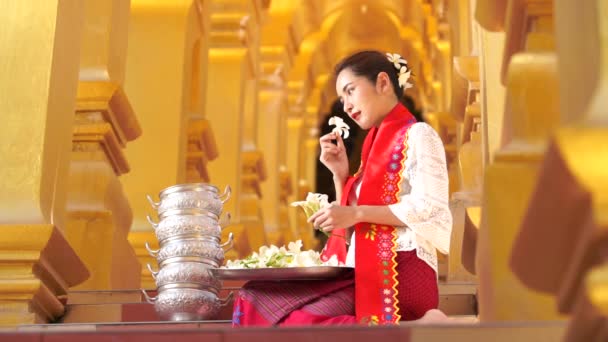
[394,210]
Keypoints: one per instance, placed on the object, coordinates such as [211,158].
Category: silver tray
[277,274]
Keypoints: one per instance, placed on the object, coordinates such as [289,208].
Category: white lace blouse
[423,206]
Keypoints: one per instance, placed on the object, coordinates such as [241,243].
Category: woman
[395,210]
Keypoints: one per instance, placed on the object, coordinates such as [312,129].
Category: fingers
[321,220]
[318,218]
[314,216]
[339,142]
[328,137]
[330,149]
[328,228]
[324,219]
[328,146]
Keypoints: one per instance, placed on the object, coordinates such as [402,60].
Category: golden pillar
[40,43]
[232,109]
[295,147]
[202,148]
[568,210]
[309,154]
[467,199]
[98,210]
[285,191]
[296,141]
[168,91]
[531,113]
[302,144]
[272,136]
[467,177]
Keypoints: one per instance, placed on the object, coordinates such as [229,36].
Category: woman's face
[360,98]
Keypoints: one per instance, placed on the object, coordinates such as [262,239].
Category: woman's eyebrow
[346,85]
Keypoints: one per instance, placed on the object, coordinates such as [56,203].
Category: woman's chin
[364,125]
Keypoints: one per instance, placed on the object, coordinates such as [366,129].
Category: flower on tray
[275,257]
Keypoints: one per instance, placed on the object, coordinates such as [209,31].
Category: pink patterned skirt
[267,303]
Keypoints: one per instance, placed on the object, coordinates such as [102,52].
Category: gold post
[233,71]
[98,210]
[167,85]
[531,115]
[40,43]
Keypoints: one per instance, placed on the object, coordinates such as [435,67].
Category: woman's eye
[349,91]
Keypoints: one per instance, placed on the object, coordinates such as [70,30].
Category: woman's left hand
[334,216]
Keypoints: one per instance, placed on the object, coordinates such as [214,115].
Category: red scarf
[382,161]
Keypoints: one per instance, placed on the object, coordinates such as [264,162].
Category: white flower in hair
[403,72]
[404,76]
[341,126]
[396,59]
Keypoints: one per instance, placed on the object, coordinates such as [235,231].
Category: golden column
[315,105]
[98,211]
[168,91]
[276,61]
[285,191]
[300,141]
[294,161]
[231,107]
[40,43]
[568,209]
[531,113]
[465,108]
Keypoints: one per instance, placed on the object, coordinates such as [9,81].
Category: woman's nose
[347,107]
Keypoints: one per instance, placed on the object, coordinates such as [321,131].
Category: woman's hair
[369,64]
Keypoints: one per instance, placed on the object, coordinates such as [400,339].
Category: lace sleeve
[423,204]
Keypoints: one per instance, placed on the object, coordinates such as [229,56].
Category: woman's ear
[383,82]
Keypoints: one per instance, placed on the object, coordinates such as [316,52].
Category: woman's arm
[380,214]
[425,209]
[339,186]
[338,216]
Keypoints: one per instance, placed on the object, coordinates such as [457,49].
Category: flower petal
[345,134]
[341,126]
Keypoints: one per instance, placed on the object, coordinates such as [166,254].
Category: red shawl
[382,161]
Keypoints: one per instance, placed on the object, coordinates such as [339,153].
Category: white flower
[272,256]
[320,200]
[396,59]
[404,76]
[295,247]
[313,203]
[341,126]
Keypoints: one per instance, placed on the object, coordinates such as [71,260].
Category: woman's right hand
[333,156]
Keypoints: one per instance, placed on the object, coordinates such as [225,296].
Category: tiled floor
[193,331]
[465,331]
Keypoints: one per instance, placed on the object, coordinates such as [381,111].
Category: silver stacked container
[189,236]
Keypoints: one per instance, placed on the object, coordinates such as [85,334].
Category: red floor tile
[134,336]
[319,334]
[20,337]
[147,327]
[141,312]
